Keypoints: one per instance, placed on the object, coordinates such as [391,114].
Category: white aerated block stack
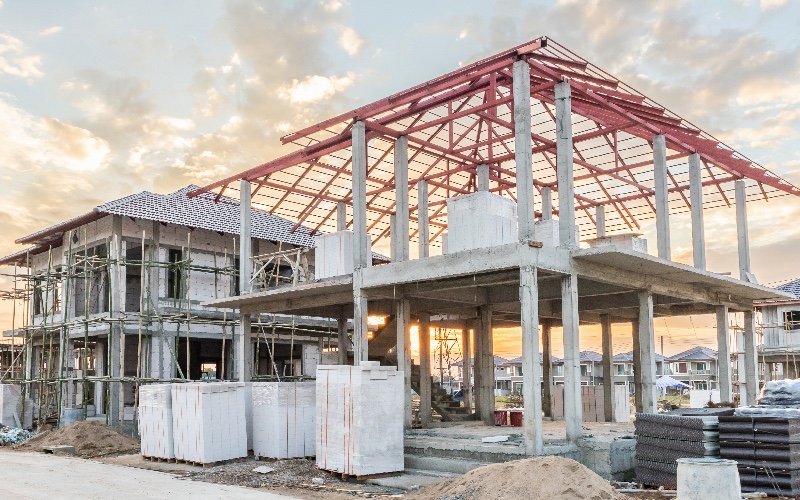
[360,419]
[208,421]
[333,255]
[155,420]
[480,220]
[284,417]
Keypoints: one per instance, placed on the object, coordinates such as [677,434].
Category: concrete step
[454,466]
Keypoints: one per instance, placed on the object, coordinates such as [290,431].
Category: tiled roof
[628,357]
[200,212]
[792,287]
[518,360]
[591,356]
[699,352]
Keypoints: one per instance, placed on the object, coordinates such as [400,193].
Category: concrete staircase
[441,402]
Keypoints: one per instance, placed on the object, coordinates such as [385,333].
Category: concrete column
[564,166]
[724,355]
[401,198]
[531,369]
[483,177]
[360,313]
[361,252]
[99,370]
[342,341]
[743,237]
[637,368]
[608,367]
[662,196]
[522,148]
[466,358]
[158,351]
[341,216]
[696,198]
[600,220]
[393,251]
[573,410]
[547,367]
[425,369]
[547,203]
[117,341]
[403,352]
[243,345]
[484,357]
[647,354]
[422,217]
[750,360]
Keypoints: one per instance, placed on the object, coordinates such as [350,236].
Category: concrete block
[333,255]
[360,419]
[11,407]
[480,220]
[284,419]
[611,459]
[59,449]
[547,232]
[208,421]
[628,241]
[155,420]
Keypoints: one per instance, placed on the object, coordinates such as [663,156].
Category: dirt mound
[90,438]
[541,477]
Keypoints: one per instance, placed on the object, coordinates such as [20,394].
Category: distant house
[780,321]
[696,367]
[623,369]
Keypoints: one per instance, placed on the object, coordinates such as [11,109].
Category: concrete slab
[38,476]
[413,479]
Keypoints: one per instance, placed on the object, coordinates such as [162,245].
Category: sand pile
[89,438]
[541,477]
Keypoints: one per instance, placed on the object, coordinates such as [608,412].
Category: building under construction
[114,298]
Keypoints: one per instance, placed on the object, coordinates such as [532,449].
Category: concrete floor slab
[36,475]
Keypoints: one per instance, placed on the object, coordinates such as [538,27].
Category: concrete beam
[750,361]
[696,199]
[531,369]
[403,351]
[361,246]
[425,408]
[547,203]
[341,216]
[742,234]
[662,196]
[522,148]
[647,353]
[608,367]
[573,411]
[466,358]
[484,358]
[564,166]
[401,199]
[483,177]
[422,217]
[724,355]
[547,366]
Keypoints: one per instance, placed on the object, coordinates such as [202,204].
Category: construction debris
[541,477]
[13,435]
[89,438]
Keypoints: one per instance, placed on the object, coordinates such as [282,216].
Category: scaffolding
[44,334]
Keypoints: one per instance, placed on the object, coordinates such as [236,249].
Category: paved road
[39,476]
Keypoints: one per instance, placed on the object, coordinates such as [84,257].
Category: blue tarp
[664,382]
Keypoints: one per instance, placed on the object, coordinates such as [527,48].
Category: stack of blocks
[360,419]
[480,220]
[208,423]
[155,420]
[284,418]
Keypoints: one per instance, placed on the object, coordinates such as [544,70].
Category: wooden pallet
[204,465]
[344,476]
[159,459]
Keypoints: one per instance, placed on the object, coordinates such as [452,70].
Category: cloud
[315,88]
[349,40]
[52,30]
[772,4]
[13,63]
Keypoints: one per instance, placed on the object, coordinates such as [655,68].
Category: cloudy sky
[102,99]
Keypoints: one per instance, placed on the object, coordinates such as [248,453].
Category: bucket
[515,417]
[708,479]
[500,417]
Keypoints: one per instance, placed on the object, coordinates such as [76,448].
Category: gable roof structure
[699,353]
[463,119]
[628,357]
[219,214]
